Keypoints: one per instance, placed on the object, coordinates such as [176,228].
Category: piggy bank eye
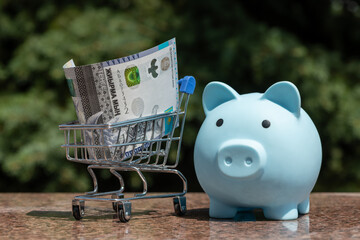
[265,123]
[219,122]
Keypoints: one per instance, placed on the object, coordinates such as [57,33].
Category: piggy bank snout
[243,159]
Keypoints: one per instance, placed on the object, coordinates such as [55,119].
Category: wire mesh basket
[139,145]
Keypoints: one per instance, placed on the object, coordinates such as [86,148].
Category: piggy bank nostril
[228,161]
[248,161]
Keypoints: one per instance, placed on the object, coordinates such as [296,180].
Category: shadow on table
[94,214]
[50,214]
[202,214]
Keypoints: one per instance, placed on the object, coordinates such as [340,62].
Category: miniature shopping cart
[137,147]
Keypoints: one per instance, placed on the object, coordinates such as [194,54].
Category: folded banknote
[140,85]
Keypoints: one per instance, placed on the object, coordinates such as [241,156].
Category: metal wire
[145,148]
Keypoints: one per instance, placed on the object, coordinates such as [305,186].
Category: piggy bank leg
[284,212]
[304,206]
[221,210]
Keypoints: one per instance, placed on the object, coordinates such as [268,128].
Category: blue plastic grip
[187,84]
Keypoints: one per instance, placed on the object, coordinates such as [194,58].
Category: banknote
[139,85]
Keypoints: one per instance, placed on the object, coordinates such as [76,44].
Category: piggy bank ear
[286,95]
[217,93]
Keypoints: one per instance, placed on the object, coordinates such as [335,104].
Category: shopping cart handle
[187,84]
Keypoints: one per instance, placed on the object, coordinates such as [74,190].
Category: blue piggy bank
[257,151]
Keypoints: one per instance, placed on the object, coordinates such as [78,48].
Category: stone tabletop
[48,215]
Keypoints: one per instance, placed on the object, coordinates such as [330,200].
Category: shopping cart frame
[84,143]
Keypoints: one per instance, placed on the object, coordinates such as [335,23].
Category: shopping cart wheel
[116,196]
[124,211]
[78,209]
[180,205]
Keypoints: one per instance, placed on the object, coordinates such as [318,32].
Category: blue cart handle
[187,84]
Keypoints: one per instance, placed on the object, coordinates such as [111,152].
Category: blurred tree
[249,45]
[35,42]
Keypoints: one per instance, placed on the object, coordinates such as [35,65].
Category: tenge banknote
[131,87]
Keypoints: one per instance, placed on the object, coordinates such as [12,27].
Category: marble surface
[48,215]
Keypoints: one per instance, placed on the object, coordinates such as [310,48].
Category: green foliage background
[248,45]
